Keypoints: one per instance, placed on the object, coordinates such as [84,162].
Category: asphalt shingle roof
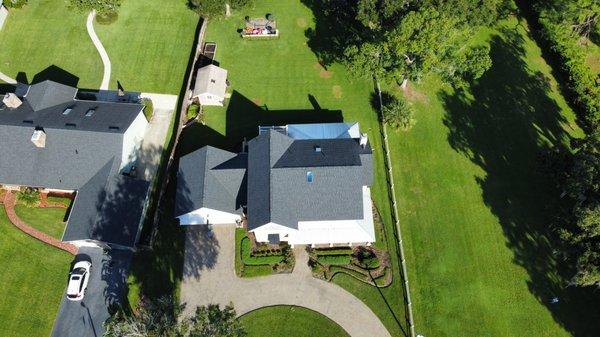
[82,152]
[211,178]
[280,192]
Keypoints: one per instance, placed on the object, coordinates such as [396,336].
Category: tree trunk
[404,83]
[227,10]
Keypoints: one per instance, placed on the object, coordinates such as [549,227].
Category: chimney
[363,140]
[39,138]
[12,101]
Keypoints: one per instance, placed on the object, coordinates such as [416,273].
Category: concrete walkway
[155,136]
[5,78]
[9,202]
[209,277]
[101,50]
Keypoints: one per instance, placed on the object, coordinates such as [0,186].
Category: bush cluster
[14,3]
[581,81]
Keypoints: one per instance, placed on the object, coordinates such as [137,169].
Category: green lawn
[274,82]
[476,205]
[46,220]
[289,321]
[44,37]
[149,45]
[33,277]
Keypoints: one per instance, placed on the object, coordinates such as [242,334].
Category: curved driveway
[209,277]
[101,50]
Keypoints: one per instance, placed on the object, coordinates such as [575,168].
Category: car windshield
[79,271]
[75,278]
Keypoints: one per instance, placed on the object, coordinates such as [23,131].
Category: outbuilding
[211,85]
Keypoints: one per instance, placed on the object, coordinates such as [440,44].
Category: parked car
[78,280]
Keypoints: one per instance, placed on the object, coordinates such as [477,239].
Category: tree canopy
[397,40]
[216,8]
[103,7]
[161,318]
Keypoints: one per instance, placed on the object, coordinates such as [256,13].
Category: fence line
[390,180]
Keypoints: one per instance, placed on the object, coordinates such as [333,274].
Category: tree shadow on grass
[502,128]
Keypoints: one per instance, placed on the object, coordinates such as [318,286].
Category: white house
[305,184]
[211,85]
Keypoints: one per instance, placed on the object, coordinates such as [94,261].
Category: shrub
[14,3]
[250,260]
[107,18]
[148,108]
[29,196]
[398,114]
[192,111]
[334,260]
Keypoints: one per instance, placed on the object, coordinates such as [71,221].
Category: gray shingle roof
[278,185]
[108,208]
[211,178]
[84,156]
[47,94]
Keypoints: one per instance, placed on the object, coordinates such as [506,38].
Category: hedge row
[333,251]
[581,81]
[334,260]
[251,260]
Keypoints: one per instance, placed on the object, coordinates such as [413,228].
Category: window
[90,112]
[309,176]
[72,125]
[113,128]
[67,111]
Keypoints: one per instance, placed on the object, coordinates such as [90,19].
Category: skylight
[67,111]
[90,112]
[309,176]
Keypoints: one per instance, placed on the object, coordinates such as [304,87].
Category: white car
[78,280]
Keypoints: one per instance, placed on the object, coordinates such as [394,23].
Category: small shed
[211,85]
[3,15]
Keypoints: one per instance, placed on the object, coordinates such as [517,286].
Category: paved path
[9,202]
[101,50]
[209,277]
[154,138]
[7,79]
[108,279]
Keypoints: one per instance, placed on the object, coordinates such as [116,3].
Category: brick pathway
[10,200]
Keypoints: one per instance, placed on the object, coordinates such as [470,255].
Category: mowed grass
[289,321]
[33,277]
[150,44]
[278,82]
[46,220]
[46,33]
[476,205]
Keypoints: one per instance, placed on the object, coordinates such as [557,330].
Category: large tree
[216,8]
[161,318]
[581,16]
[583,186]
[104,8]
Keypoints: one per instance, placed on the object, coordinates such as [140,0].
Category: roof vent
[213,81]
[72,125]
[363,140]
[12,101]
[39,138]
[309,176]
[90,112]
[318,149]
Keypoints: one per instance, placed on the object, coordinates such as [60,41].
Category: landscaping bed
[252,260]
[366,264]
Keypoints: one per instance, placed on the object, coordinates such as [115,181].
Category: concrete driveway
[106,285]
[209,277]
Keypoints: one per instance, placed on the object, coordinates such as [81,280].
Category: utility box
[3,15]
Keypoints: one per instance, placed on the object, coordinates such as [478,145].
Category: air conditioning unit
[12,101]
[39,138]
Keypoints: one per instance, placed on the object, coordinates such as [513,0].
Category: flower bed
[252,260]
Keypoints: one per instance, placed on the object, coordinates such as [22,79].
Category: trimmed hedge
[148,108]
[334,260]
[333,251]
[251,260]
[192,111]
